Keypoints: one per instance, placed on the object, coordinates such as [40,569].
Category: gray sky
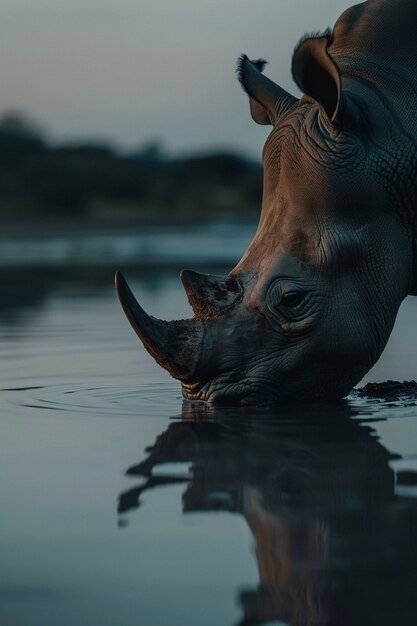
[135,70]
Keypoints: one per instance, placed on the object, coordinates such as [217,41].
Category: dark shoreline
[113,223]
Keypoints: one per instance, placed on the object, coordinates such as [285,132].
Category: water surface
[123,505]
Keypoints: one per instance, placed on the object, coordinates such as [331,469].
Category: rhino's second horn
[210,295]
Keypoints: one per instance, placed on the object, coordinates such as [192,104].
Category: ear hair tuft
[258,63]
[315,35]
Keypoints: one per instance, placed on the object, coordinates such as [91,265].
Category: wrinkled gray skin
[309,308]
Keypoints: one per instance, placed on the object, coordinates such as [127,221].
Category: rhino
[310,306]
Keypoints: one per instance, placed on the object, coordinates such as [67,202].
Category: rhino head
[310,306]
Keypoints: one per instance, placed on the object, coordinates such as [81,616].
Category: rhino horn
[268,101]
[210,295]
[175,346]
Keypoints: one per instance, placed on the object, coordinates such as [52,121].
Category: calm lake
[123,506]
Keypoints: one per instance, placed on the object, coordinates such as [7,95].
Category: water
[122,506]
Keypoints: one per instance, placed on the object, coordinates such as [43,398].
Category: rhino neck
[391,134]
[379,34]
[395,87]
[375,42]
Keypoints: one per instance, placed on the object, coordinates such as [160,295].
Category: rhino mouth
[176,345]
[218,392]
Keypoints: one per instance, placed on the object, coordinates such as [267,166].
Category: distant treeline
[93,179]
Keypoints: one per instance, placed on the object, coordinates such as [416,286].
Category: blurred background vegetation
[95,180]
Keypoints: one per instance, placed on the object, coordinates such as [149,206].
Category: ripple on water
[163,399]
[90,399]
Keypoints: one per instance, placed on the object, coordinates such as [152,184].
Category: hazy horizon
[134,71]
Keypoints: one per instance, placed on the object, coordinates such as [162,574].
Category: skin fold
[309,308]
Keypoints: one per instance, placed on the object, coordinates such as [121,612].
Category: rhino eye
[292,299]
[287,301]
[293,305]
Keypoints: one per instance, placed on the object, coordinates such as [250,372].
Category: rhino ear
[316,74]
[268,101]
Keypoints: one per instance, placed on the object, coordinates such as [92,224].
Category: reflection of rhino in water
[310,306]
[335,546]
